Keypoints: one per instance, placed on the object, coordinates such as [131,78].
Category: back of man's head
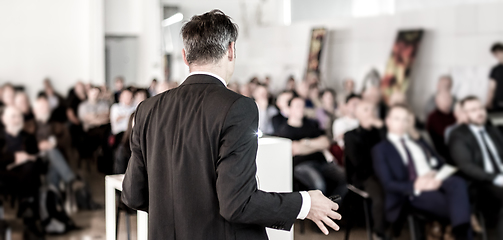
[207,37]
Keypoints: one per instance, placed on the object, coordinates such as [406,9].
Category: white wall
[59,39]
[142,19]
[457,41]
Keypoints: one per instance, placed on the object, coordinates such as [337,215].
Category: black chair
[364,196]
[358,194]
[416,220]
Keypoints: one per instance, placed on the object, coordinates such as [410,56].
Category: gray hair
[207,37]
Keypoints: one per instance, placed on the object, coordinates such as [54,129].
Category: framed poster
[317,38]
[398,68]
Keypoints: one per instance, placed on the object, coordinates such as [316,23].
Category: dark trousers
[374,188]
[23,180]
[320,175]
[450,202]
[497,194]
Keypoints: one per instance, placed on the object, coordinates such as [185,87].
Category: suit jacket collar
[205,78]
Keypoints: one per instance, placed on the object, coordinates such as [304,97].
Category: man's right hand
[427,183]
[323,210]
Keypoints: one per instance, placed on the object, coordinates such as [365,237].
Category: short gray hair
[207,37]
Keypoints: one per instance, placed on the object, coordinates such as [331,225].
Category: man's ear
[185,57]
[231,54]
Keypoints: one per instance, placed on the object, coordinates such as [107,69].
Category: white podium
[274,174]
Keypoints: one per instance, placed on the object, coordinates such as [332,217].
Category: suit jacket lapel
[472,139]
[396,162]
[496,140]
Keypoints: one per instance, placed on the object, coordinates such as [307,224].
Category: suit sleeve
[135,184]
[462,157]
[239,199]
[383,172]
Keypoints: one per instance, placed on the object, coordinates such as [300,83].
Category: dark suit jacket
[467,155]
[394,175]
[358,153]
[193,166]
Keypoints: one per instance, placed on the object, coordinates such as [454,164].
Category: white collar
[396,138]
[476,128]
[207,73]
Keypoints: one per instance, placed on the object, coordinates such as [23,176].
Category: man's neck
[295,122]
[365,126]
[12,132]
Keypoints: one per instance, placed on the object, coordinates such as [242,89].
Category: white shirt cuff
[306,205]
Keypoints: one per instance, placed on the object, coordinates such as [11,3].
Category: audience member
[312,78]
[252,84]
[325,113]
[348,88]
[358,160]
[373,94]
[152,89]
[93,112]
[265,111]
[56,102]
[444,84]
[461,119]
[234,86]
[309,148]
[76,95]
[162,87]
[106,95]
[47,140]
[123,152]
[22,103]
[348,121]
[244,90]
[139,96]
[120,112]
[118,86]
[172,84]
[439,120]
[20,169]
[476,149]
[19,154]
[495,93]
[290,84]
[94,115]
[282,105]
[406,170]
[314,96]
[8,94]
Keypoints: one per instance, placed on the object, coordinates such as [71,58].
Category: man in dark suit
[406,169]
[358,160]
[193,152]
[476,149]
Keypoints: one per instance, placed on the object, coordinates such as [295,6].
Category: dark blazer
[193,166]
[467,155]
[358,153]
[394,175]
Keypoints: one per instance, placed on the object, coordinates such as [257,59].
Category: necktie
[492,158]
[410,166]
